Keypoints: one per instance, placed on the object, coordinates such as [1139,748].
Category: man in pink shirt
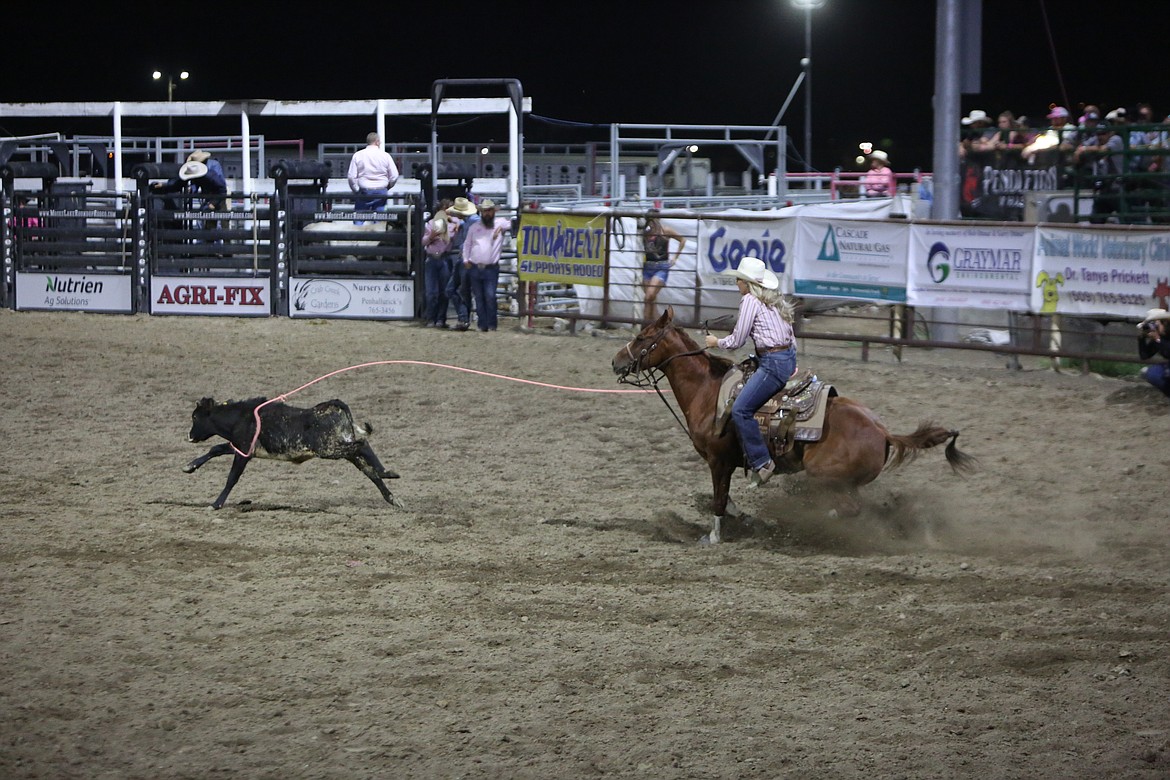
[481,254]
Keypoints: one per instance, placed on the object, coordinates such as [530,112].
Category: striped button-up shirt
[763,323]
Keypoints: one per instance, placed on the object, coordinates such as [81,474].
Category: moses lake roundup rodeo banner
[562,248]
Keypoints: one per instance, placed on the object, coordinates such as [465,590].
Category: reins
[651,375]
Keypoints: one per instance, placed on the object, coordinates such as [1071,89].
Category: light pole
[158,75]
[806,63]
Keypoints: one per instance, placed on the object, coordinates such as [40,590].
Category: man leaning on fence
[372,172]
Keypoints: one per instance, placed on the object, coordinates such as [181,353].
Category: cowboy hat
[976,115]
[462,207]
[487,203]
[879,154]
[192,170]
[199,156]
[752,269]
[1154,314]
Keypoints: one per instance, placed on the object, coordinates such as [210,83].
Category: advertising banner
[562,248]
[231,296]
[375,299]
[970,266]
[54,291]
[722,244]
[855,259]
[1086,272]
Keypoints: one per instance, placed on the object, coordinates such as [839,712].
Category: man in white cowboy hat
[1152,340]
[766,316]
[482,249]
[205,176]
[460,215]
[372,172]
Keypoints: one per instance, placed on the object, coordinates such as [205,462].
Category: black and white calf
[286,433]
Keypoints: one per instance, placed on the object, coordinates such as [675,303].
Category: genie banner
[723,243]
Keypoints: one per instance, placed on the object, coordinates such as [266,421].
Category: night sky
[589,64]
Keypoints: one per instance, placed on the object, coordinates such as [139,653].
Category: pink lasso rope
[282,397]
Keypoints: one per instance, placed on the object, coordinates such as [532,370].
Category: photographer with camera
[1155,340]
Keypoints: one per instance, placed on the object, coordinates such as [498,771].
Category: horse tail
[903,449]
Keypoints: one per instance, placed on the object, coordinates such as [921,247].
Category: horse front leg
[721,485]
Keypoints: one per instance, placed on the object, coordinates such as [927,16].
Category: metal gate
[65,247]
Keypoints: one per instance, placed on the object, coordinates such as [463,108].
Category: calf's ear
[205,404]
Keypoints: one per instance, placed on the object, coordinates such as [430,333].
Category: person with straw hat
[1152,340]
[766,316]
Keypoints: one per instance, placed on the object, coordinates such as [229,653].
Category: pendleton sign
[562,248]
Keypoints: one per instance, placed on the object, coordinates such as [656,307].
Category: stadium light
[158,75]
[806,63]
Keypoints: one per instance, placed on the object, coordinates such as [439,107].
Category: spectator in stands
[657,262]
[1153,340]
[372,172]
[1102,157]
[1003,136]
[436,243]
[482,247]
[1052,146]
[878,181]
[976,132]
[205,176]
[1147,162]
[1144,137]
[460,215]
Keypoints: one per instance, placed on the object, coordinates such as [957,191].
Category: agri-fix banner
[211,295]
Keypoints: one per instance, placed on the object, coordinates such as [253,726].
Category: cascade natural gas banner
[856,259]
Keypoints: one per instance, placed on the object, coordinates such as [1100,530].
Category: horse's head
[656,343]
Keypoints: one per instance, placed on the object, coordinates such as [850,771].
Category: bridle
[649,376]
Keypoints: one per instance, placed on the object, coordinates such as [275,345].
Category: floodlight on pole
[158,75]
[806,66]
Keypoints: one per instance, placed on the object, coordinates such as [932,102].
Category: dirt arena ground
[541,608]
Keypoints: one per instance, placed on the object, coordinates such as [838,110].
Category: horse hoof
[833,514]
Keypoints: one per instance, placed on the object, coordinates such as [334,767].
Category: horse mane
[717,365]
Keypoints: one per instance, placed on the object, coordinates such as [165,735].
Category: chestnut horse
[853,450]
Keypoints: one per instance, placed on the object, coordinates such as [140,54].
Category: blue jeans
[774,372]
[1158,375]
[483,280]
[459,290]
[436,270]
[369,200]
